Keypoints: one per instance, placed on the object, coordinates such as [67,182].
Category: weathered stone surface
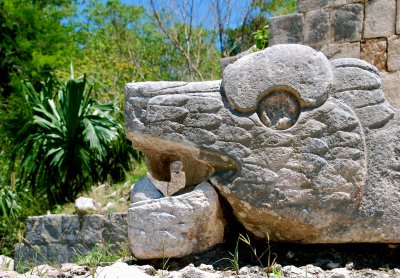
[306,5]
[120,270]
[348,22]
[342,50]
[391,81]
[286,29]
[319,165]
[176,226]
[44,270]
[316,27]
[398,18]
[224,62]
[6,263]
[85,205]
[393,59]
[60,238]
[380,18]
[375,52]
[244,80]
[144,189]
[191,271]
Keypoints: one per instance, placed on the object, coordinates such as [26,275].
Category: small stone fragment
[289,255]
[144,189]
[6,263]
[120,270]
[44,270]
[85,205]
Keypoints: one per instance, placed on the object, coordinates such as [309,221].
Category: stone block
[391,81]
[52,228]
[70,229]
[380,18]
[348,22]
[316,27]
[91,230]
[393,59]
[286,29]
[374,52]
[58,253]
[398,18]
[342,50]
[307,5]
[34,230]
[115,229]
[26,255]
[176,226]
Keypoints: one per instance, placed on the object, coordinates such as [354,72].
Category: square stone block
[307,5]
[374,52]
[391,81]
[34,230]
[393,62]
[380,18]
[398,18]
[52,228]
[91,230]
[342,50]
[316,27]
[58,253]
[348,22]
[70,229]
[286,29]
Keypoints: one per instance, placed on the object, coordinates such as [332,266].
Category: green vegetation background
[47,46]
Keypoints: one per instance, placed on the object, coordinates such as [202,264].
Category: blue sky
[202,8]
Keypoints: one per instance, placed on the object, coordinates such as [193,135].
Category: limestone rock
[380,18]
[9,274]
[85,205]
[44,270]
[286,29]
[342,50]
[191,272]
[316,27]
[348,22]
[393,61]
[176,226]
[144,189]
[391,88]
[120,270]
[6,263]
[302,149]
[375,52]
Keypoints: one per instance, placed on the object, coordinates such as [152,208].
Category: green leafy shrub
[68,140]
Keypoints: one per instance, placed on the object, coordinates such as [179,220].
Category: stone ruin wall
[61,238]
[363,29]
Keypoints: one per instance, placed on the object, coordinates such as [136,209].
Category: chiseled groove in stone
[354,63]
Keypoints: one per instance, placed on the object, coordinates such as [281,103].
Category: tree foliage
[67,138]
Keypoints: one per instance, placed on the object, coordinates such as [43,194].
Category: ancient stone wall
[363,29]
[60,238]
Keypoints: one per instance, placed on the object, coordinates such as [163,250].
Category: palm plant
[65,140]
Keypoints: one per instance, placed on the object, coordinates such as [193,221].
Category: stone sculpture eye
[278,110]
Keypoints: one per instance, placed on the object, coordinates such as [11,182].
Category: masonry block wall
[61,238]
[363,29]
